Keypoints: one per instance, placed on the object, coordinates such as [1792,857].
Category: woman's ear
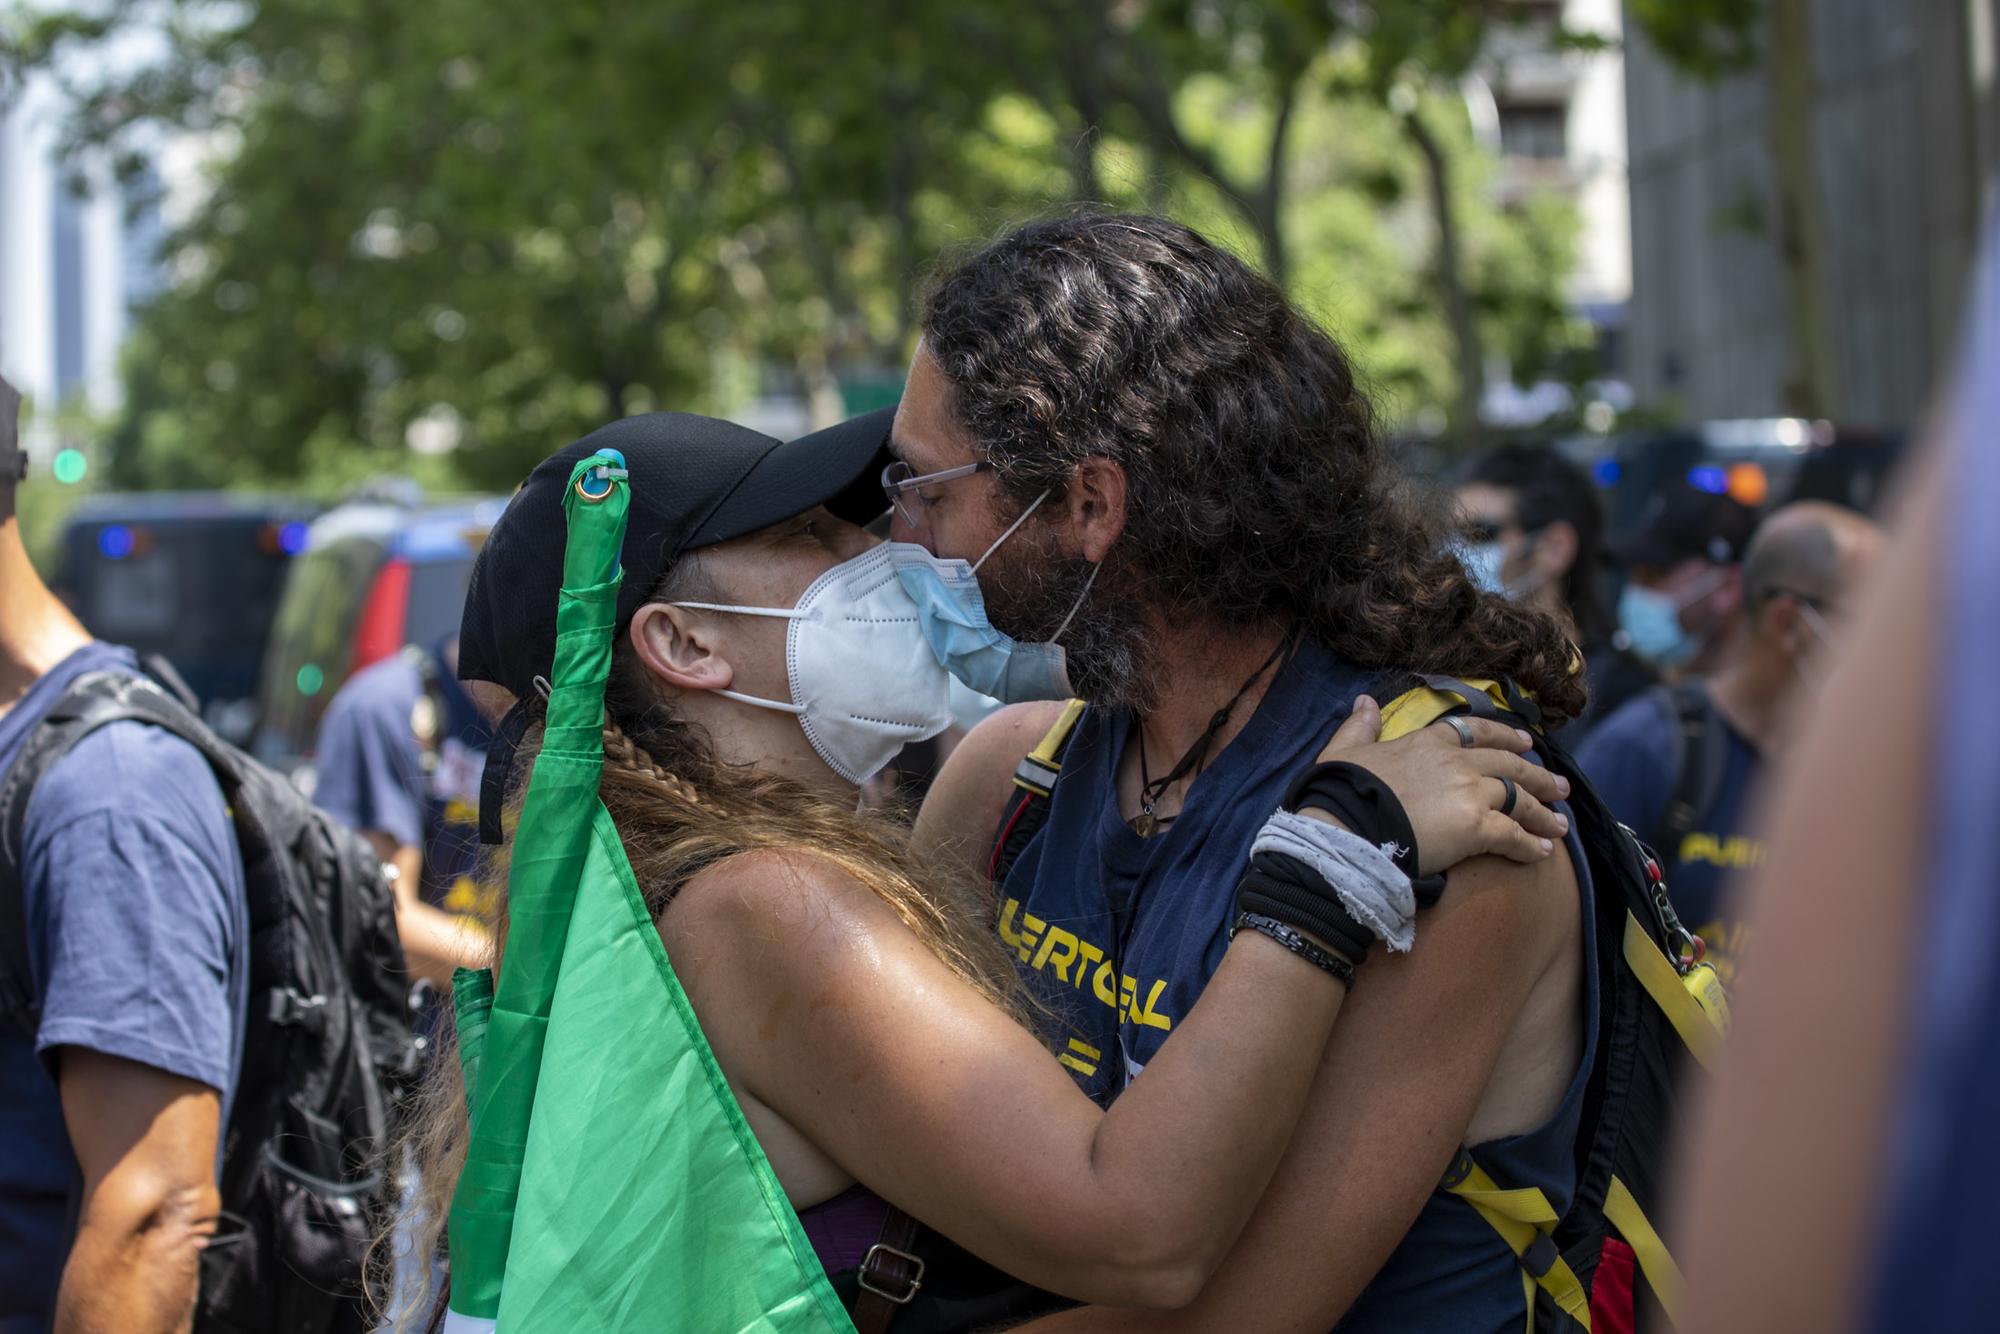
[1097,506]
[679,647]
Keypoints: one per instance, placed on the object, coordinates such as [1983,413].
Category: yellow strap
[1701,1026]
[1423,706]
[1521,1217]
[1523,1206]
[1047,754]
[1623,1212]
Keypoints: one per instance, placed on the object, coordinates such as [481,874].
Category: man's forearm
[436,942]
[139,1281]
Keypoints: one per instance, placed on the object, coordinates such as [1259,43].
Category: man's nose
[902,530]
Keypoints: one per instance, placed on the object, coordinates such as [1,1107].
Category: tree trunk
[1269,213]
[1470,361]
[1811,384]
[824,404]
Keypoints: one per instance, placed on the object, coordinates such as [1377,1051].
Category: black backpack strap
[161,673]
[1701,763]
[1027,808]
[93,700]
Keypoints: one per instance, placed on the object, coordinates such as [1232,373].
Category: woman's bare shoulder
[770,901]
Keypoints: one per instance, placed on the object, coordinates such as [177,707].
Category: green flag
[611,1183]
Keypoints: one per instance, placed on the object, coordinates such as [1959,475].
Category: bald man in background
[1683,765]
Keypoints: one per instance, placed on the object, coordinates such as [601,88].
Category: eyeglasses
[1482,532]
[905,489]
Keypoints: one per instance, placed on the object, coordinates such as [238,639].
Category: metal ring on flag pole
[595,486]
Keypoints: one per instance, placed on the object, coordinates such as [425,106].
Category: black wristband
[1369,807]
[1360,801]
[1337,968]
[1299,896]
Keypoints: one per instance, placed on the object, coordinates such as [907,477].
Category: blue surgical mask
[1482,563]
[952,612]
[1652,621]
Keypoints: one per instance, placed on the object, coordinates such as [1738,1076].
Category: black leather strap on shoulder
[890,1275]
[1701,763]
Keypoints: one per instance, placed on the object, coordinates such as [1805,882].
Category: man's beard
[1030,587]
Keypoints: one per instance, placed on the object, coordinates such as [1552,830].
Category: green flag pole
[611,1183]
[548,856]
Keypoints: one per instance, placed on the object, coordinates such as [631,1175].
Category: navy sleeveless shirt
[1118,935]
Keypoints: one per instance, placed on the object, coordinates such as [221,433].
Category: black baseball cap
[695,481]
[1684,522]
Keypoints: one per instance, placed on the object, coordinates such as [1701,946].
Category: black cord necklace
[1151,789]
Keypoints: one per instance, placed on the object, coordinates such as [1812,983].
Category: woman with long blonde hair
[872,1025]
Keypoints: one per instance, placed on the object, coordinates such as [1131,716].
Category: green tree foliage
[1705,38]
[500,223]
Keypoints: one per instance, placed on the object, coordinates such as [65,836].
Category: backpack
[1700,765]
[327,1047]
[1602,1265]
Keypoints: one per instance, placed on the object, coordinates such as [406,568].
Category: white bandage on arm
[1369,885]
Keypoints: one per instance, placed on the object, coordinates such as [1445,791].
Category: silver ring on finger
[1463,728]
[1513,794]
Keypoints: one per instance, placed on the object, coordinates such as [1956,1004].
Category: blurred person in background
[1682,765]
[1533,529]
[399,758]
[125,1011]
[1681,607]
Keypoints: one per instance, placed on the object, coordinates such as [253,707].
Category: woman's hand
[1452,794]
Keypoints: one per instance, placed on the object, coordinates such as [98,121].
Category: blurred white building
[1556,119]
[78,249]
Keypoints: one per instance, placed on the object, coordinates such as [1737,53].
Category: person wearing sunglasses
[1532,529]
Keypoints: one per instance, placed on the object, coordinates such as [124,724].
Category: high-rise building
[77,249]
[1904,129]
[1554,113]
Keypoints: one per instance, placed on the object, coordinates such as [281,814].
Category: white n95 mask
[864,680]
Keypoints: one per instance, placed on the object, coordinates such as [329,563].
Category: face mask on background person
[864,680]
[1484,561]
[953,616]
[1651,619]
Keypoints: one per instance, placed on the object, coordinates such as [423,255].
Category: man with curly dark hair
[1187,492]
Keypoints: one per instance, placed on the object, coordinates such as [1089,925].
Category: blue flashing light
[1712,480]
[115,541]
[292,538]
[1607,471]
